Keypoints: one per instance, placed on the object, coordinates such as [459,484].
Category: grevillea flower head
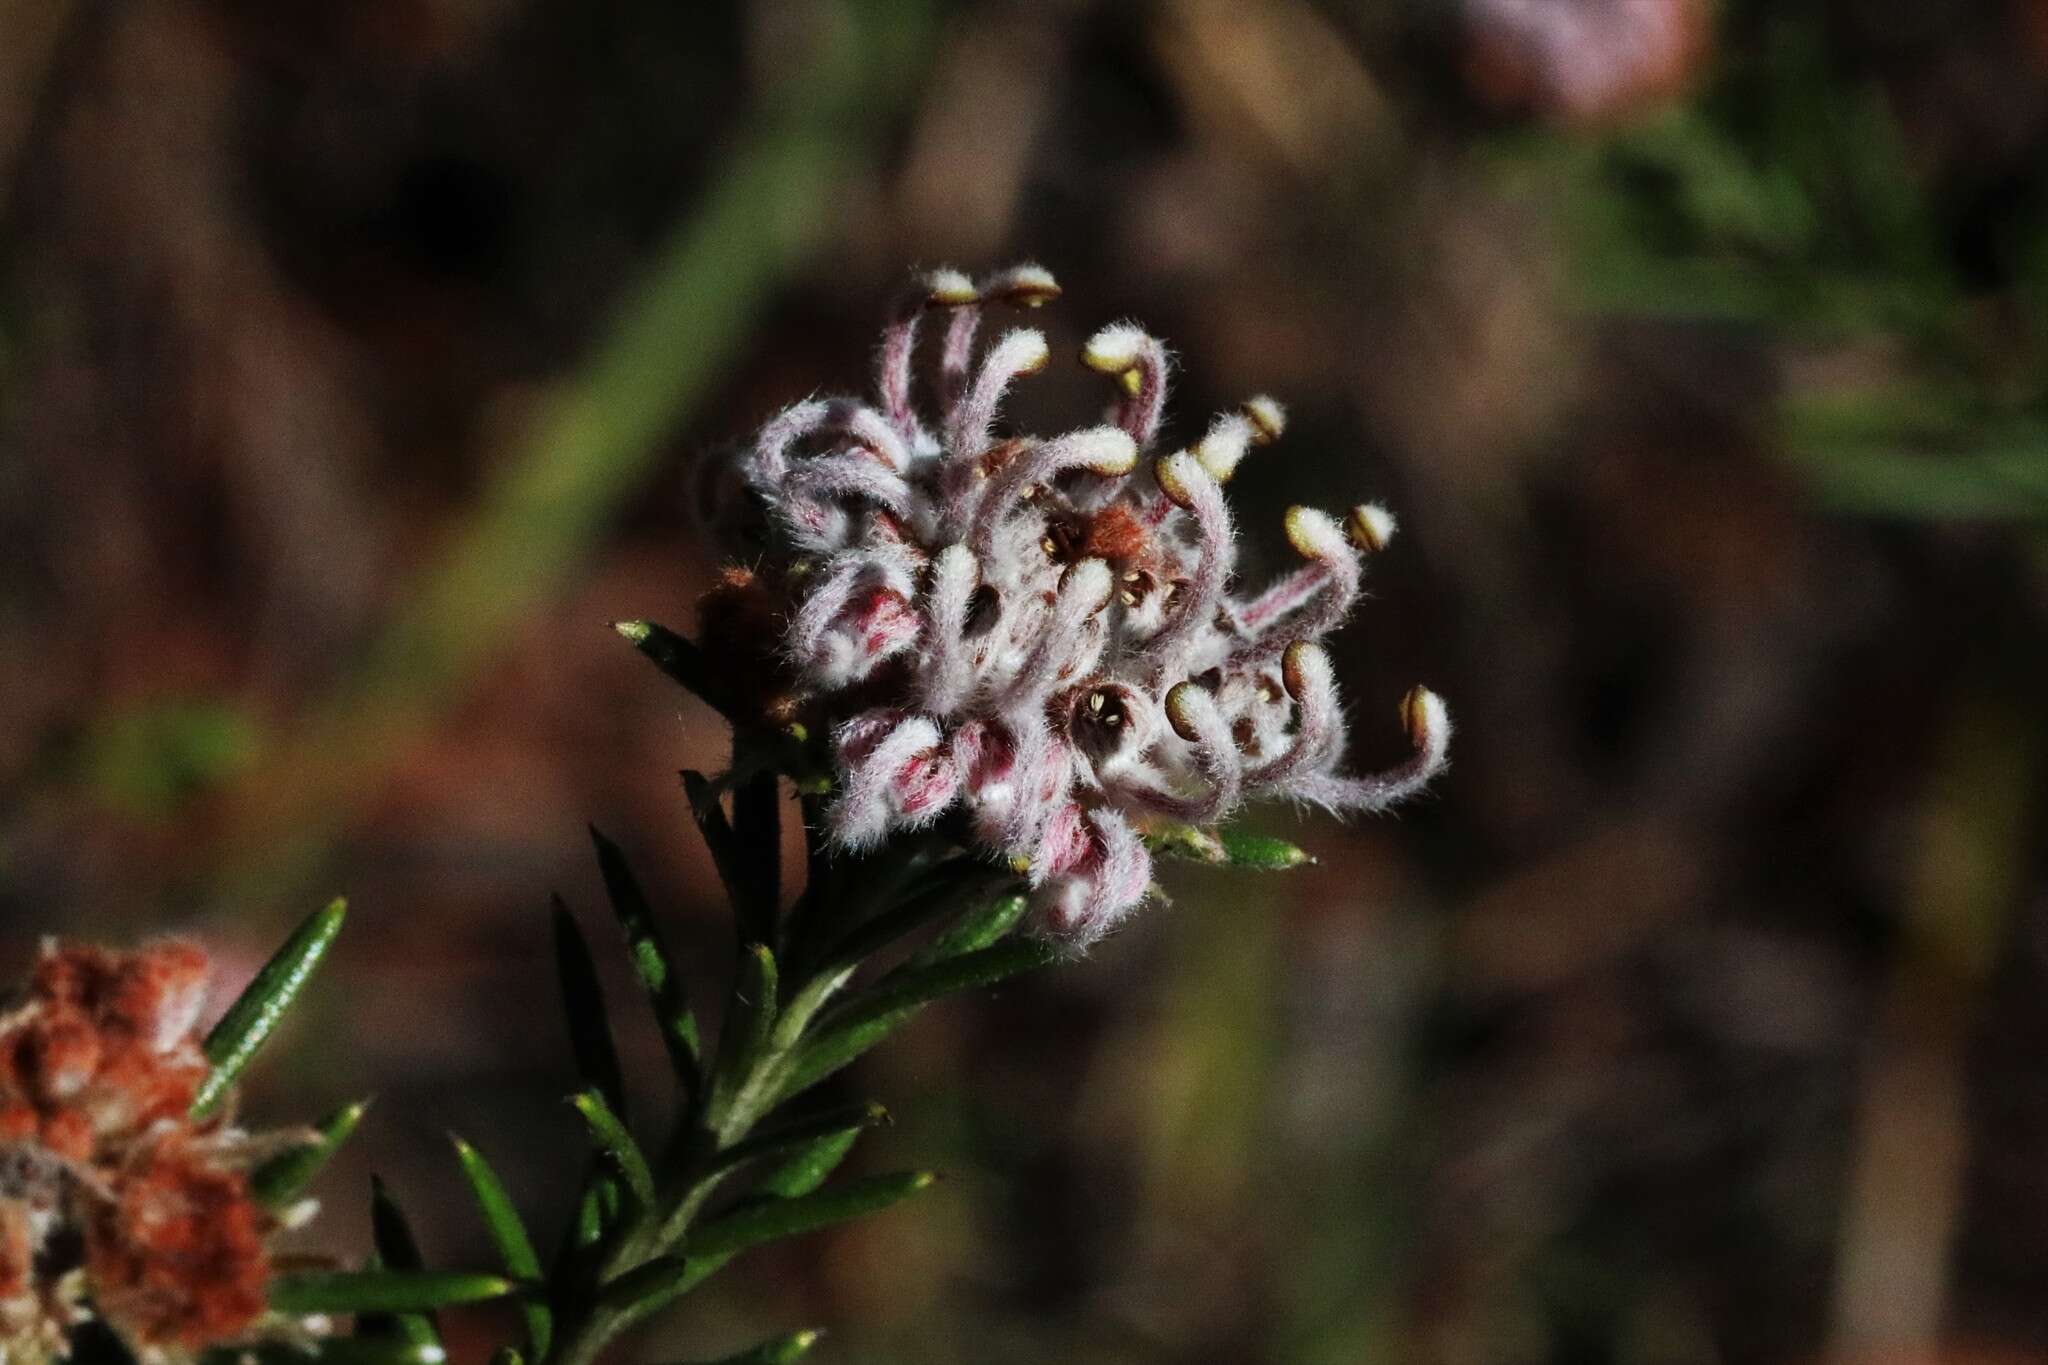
[114,1201]
[1041,637]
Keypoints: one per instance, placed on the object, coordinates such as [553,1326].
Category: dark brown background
[351,360]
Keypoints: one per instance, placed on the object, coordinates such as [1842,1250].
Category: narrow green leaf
[865,1019]
[383,1291]
[1261,852]
[397,1249]
[757,830]
[778,1139]
[278,1181]
[943,891]
[972,932]
[750,1224]
[781,1351]
[809,1166]
[733,866]
[617,1145]
[645,1288]
[744,1034]
[664,985]
[256,1013]
[508,1234]
[330,1351]
[590,1033]
[679,658]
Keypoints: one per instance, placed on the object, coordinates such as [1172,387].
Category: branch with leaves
[999,676]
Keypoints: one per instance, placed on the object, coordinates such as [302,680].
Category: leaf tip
[634,631]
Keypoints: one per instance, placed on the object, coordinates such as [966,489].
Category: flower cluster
[112,1199]
[1044,634]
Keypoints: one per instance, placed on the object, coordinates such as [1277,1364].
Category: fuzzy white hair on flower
[1040,637]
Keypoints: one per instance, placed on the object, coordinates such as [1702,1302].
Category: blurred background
[352,358]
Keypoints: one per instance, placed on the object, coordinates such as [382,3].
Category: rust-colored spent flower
[1041,637]
[112,1198]
[177,1256]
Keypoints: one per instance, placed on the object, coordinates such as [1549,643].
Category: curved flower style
[113,1201]
[1042,633]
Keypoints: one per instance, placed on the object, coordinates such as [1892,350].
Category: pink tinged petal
[1021,351]
[1103,888]
[1071,639]
[872,784]
[924,788]
[767,465]
[1194,716]
[896,361]
[948,669]
[957,359]
[1193,610]
[1428,722]
[1333,558]
[1107,452]
[1063,844]
[1311,681]
[1139,363]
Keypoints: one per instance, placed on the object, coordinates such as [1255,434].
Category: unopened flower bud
[1314,534]
[1267,417]
[1023,286]
[947,288]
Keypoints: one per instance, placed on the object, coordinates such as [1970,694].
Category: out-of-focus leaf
[590,1032]
[1261,852]
[383,1291]
[749,1023]
[757,828]
[947,889]
[645,1288]
[256,1013]
[804,1133]
[973,931]
[617,1144]
[781,1351]
[863,1020]
[397,1249]
[332,1351]
[737,869]
[278,1181]
[651,963]
[508,1234]
[771,1220]
[679,658]
[807,1168]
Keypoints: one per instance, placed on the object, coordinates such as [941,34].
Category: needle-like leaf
[397,1249]
[770,1220]
[256,1013]
[781,1351]
[973,931]
[590,1033]
[1261,852]
[863,1020]
[678,657]
[508,1234]
[664,984]
[284,1177]
[748,1025]
[383,1291]
[617,1144]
